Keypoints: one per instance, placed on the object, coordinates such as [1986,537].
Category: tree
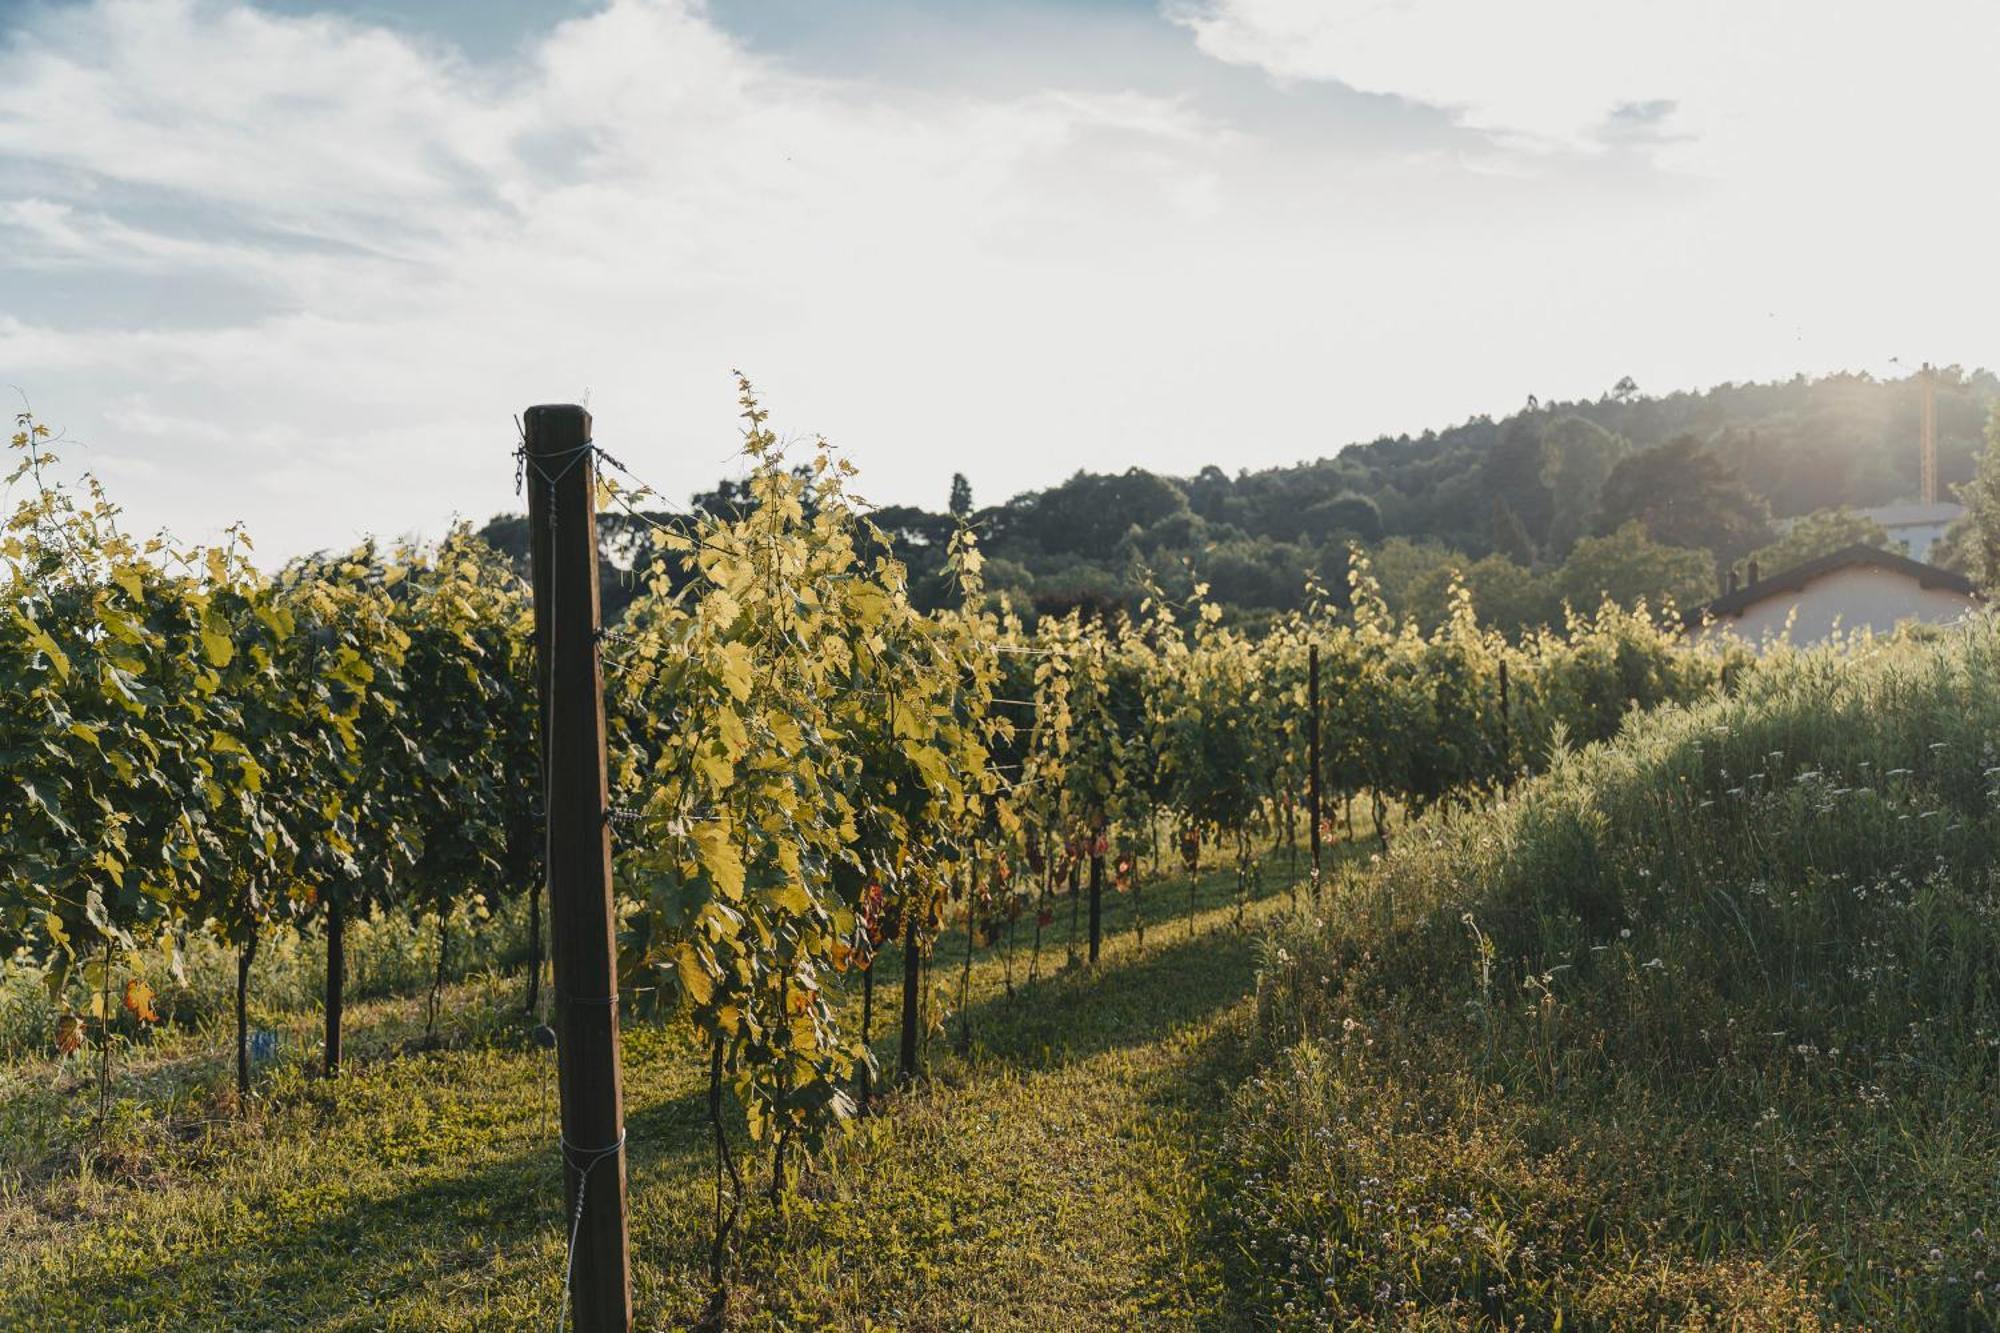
[1978,544]
[1684,495]
[1510,539]
[961,495]
[1506,596]
[1578,456]
[1208,491]
[1821,533]
[1344,515]
[1088,514]
[1627,566]
[1400,566]
[1513,475]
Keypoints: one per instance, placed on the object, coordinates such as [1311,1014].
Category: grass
[1701,1030]
[1050,1175]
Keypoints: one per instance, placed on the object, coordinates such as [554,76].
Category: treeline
[1628,496]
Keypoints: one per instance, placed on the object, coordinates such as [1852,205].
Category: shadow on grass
[315,1251]
[289,1260]
[1132,1000]
[1131,996]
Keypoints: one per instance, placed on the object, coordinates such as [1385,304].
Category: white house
[1853,589]
[1917,525]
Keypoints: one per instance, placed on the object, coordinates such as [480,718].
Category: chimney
[1753,573]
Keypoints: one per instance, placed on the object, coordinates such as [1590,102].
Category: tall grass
[1701,1027]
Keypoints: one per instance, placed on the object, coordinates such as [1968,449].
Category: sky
[300,265]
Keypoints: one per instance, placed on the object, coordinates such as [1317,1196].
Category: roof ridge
[1795,578]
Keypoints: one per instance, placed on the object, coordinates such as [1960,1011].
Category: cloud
[636,204]
[1817,158]
[304,270]
[1728,79]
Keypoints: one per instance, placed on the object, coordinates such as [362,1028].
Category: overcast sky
[300,264]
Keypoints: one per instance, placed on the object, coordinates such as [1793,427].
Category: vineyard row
[802,764]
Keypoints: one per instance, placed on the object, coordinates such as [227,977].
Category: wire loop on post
[591,1157]
[567,998]
[568,457]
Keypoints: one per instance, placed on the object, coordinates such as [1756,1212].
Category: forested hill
[1628,495]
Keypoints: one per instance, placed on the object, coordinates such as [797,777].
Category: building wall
[1856,598]
[1918,538]
[1919,527]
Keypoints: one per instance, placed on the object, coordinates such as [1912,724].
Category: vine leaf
[139,1001]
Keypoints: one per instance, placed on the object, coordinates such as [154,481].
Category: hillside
[1541,496]
[1696,1031]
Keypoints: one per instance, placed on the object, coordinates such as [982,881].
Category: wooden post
[562,513]
[336,978]
[1506,731]
[906,1055]
[1312,757]
[867,1080]
[1096,893]
[246,954]
[965,970]
[538,575]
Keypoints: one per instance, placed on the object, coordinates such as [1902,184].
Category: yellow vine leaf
[139,1001]
[720,859]
[715,767]
[694,978]
[735,668]
[791,897]
[40,638]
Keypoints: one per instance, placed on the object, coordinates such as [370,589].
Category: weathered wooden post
[913,964]
[1312,758]
[1096,891]
[336,976]
[538,577]
[561,478]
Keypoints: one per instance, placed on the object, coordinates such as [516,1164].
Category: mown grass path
[1048,1176]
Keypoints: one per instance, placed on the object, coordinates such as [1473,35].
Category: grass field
[1703,1030]
[1054,1174]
